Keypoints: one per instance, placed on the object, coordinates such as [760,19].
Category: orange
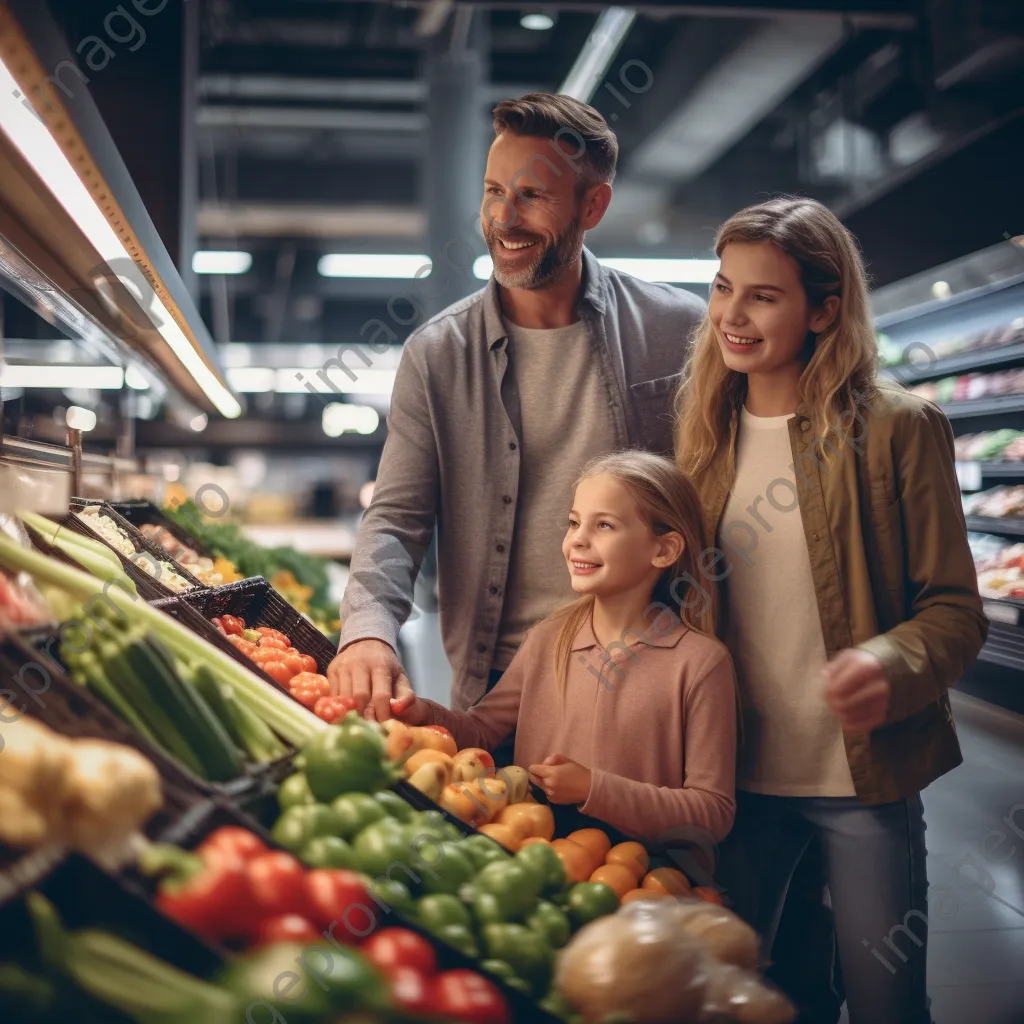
[594,840]
[630,855]
[642,894]
[577,860]
[668,881]
[617,877]
[504,834]
[533,819]
[534,839]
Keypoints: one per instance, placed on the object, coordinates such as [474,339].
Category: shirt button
[814,536]
[500,547]
[805,424]
[507,500]
[494,590]
[512,445]
[482,648]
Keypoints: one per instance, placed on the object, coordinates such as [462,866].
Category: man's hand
[369,672]
[564,781]
[857,691]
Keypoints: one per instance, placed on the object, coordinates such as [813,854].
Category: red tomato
[411,991]
[234,840]
[333,709]
[245,646]
[266,631]
[287,928]
[268,643]
[277,883]
[294,661]
[400,948]
[468,996]
[233,624]
[309,663]
[338,900]
[278,670]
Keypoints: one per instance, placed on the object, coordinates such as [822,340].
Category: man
[497,404]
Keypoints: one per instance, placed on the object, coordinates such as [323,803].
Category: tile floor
[975,818]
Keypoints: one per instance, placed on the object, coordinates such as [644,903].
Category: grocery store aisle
[975,818]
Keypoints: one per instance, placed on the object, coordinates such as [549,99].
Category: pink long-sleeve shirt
[656,725]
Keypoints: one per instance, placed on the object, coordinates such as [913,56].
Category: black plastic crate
[259,604]
[140,543]
[146,513]
[190,830]
[74,711]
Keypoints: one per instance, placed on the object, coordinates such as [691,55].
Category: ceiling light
[135,379]
[251,379]
[221,261]
[941,290]
[78,418]
[90,378]
[338,417]
[334,381]
[379,265]
[198,423]
[681,271]
[538,22]
[35,143]
[603,43]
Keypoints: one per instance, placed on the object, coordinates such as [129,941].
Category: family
[698,565]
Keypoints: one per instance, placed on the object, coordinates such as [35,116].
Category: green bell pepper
[482,850]
[547,920]
[444,869]
[514,889]
[542,859]
[439,910]
[355,811]
[589,900]
[527,953]
[294,792]
[460,937]
[392,895]
[503,970]
[395,806]
[329,852]
[298,825]
[379,846]
[348,757]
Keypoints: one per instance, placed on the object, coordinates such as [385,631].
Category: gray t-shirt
[565,422]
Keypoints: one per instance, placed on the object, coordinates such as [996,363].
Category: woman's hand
[411,710]
[564,781]
[857,690]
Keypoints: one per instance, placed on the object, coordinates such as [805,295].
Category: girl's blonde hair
[843,358]
[669,503]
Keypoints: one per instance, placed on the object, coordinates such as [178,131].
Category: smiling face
[760,312]
[609,547]
[533,215]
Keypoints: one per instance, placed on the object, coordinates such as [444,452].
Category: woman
[851,602]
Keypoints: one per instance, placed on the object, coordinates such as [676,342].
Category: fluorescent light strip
[374,265]
[221,261]
[598,51]
[39,148]
[669,271]
[89,378]
[299,380]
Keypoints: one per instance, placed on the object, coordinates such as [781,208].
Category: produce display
[957,344]
[101,524]
[997,502]
[211,571]
[967,387]
[1000,566]
[20,605]
[1006,445]
[300,579]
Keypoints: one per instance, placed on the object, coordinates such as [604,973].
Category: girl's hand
[857,690]
[564,781]
[410,709]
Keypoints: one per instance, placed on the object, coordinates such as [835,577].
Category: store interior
[220,220]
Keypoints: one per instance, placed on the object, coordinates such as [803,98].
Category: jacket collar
[664,631]
[592,294]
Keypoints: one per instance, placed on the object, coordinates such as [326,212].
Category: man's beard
[548,263]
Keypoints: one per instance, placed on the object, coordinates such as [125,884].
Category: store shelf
[1000,527]
[1004,646]
[966,362]
[323,538]
[984,407]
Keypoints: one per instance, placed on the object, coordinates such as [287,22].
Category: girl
[622,703]
[851,601]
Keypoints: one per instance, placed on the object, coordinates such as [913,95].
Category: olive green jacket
[892,570]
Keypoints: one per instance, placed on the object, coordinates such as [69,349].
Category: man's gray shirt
[452,456]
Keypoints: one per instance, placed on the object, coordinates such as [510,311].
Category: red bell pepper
[467,996]
[276,885]
[337,899]
[230,839]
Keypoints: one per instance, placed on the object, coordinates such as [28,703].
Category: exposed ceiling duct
[270,220]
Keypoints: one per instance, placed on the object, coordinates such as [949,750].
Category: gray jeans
[874,865]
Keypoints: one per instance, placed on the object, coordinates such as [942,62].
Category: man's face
[533,212]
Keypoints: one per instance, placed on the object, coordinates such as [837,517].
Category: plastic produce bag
[741,997]
[21,603]
[727,937]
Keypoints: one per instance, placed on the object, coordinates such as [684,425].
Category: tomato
[220,625]
[411,991]
[245,646]
[272,643]
[333,709]
[278,670]
[309,663]
[308,693]
[338,900]
[266,631]
[395,948]
[233,840]
[294,661]
[277,883]
[287,928]
[467,996]
[232,624]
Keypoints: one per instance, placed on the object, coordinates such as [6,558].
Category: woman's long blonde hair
[843,357]
[669,503]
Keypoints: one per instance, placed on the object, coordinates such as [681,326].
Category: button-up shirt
[452,455]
